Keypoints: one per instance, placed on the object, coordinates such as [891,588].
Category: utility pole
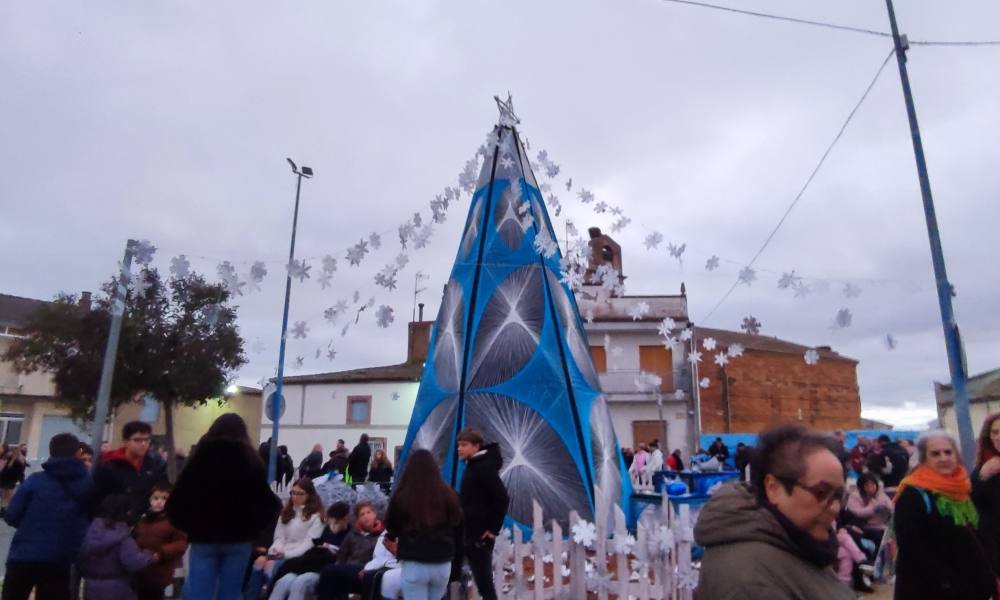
[111,352]
[945,291]
[277,405]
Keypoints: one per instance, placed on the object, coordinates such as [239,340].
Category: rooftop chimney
[420,315]
[85,301]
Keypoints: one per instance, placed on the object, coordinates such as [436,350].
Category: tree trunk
[168,417]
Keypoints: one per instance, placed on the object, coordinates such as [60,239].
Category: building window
[10,427]
[658,360]
[600,357]
[359,410]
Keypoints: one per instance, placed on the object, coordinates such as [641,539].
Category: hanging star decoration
[750,325]
[712,263]
[180,266]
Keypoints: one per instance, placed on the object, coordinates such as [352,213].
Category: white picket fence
[592,562]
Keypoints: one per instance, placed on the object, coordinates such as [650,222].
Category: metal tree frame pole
[953,343]
[111,353]
[276,404]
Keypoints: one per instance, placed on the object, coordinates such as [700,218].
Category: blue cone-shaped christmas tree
[508,355]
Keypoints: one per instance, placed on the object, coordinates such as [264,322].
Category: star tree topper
[507,116]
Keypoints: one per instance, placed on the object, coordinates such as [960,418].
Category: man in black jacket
[484,505]
[132,470]
[357,462]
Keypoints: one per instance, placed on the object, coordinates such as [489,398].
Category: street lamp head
[295,169]
[307,172]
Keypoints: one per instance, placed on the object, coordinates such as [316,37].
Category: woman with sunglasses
[773,538]
[940,555]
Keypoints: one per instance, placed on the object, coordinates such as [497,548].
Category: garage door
[56,424]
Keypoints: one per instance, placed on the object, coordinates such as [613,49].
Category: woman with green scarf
[936,524]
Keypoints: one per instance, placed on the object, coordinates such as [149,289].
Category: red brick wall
[768,388]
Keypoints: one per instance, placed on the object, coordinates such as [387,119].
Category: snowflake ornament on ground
[298,269]
[638,310]
[180,266]
[811,357]
[300,330]
[584,533]
[747,276]
[384,316]
[712,263]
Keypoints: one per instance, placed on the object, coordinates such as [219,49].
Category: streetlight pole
[276,398]
[953,343]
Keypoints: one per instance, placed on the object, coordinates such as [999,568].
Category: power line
[809,180]
[886,34]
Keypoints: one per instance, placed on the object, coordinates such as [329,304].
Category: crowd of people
[121,529]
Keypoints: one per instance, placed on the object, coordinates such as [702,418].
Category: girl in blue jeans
[222,501]
[424,517]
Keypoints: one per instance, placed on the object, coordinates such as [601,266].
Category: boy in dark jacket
[132,470]
[50,511]
[338,580]
[484,504]
[155,533]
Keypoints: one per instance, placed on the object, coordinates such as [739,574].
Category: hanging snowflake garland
[735,350]
[375,241]
[405,233]
[227,273]
[325,280]
[750,325]
[468,177]
[666,327]
[180,266]
[653,240]
[384,316]
[747,276]
[843,319]
[788,280]
[851,290]
[329,264]
[331,354]
[601,207]
[694,357]
[890,342]
[258,271]
[357,252]
[569,184]
[676,251]
[143,251]
[811,357]
[620,224]
[708,343]
[638,310]
[712,263]
[298,269]
[721,359]
[686,334]
[299,362]
[423,237]
[299,330]
[585,195]
[551,168]
[402,260]
[801,289]
[544,244]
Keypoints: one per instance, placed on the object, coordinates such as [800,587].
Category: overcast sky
[171,122]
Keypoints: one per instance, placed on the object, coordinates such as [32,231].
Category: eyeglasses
[823,492]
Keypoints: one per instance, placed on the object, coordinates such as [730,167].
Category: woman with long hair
[301,521]
[381,469]
[940,555]
[986,487]
[222,501]
[423,516]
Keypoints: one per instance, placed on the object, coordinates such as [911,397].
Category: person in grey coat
[109,556]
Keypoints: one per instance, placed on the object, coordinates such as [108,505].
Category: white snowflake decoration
[708,343]
[405,233]
[467,178]
[584,533]
[735,350]
[507,163]
[647,382]
[788,280]
[638,310]
[395,396]
[653,240]
[678,394]
[704,383]
[375,241]
[143,251]
[622,543]
[325,280]
[686,334]
[585,195]
[747,276]
[298,269]
[357,252]
[551,169]
[601,207]
[890,341]
[571,230]
[227,273]
[811,357]
[667,326]
[676,251]
[299,330]
[843,318]
[299,362]
[384,316]
[801,289]
[329,264]
[402,260]
[331,354]
[712,263]
[423,237]
[694,357]
[180,266]
[721,359]
[851,290]
[620,224]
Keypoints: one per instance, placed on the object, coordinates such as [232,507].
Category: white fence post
[557,560]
